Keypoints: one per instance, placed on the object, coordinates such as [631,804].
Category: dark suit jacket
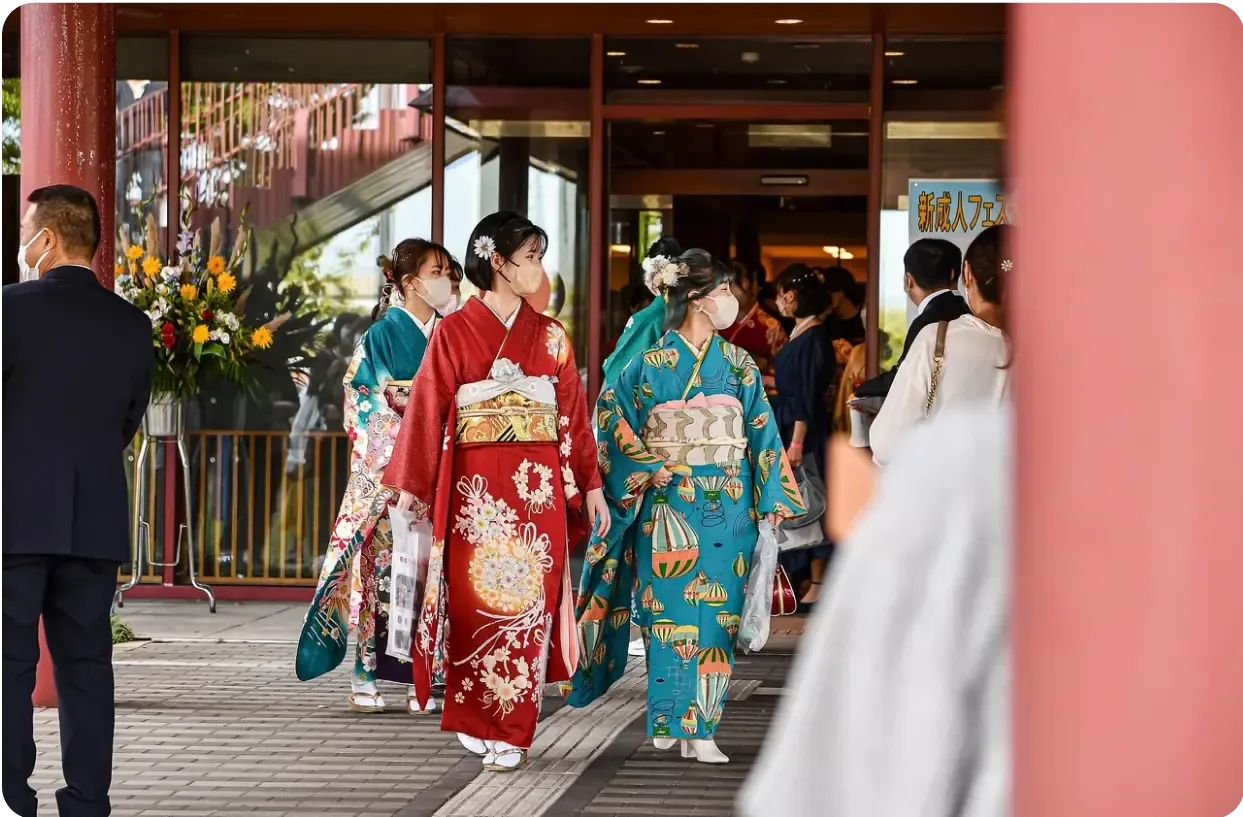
[77,378]
[947,307]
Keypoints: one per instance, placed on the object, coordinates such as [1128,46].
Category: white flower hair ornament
[484,247]
[1007,265]
[661,272]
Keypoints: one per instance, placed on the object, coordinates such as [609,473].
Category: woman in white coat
[969,366]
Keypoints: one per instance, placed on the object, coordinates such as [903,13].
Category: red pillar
[69,106]
[1128,168]
[69,136]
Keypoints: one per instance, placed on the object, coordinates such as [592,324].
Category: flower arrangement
[196,306]
[661,272]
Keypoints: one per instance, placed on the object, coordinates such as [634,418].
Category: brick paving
[225,730]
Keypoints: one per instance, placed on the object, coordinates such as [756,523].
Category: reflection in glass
[328,152]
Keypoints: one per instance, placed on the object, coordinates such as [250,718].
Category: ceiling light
[615,53]
[832,250]
[894,53]
[620,249]
[787,21]
[658,133]
[845,255]
[905,82]
[659,22]
[649,82]
[776,82]
[688,45]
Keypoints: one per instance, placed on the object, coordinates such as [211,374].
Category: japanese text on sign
[947,213]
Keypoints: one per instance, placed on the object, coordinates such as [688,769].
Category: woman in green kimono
[419,286]
[692,460]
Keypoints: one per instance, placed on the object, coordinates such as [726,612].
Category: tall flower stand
[163,423]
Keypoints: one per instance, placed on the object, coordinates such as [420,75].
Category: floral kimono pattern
[377,388]
[504,485]
[685,549]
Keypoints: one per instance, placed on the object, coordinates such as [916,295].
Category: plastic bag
[757,606]
[412,547]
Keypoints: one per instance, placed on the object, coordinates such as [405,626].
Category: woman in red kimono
[503,460]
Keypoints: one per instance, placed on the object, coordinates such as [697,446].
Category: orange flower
[200,334]
[215,265]
[261,337]
[226,282]
[118,270]
[189,292]
[151,265]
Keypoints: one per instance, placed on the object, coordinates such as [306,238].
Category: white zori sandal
[412,704]
[504,757]
[365,698]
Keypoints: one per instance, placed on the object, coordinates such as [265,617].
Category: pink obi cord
[701,400]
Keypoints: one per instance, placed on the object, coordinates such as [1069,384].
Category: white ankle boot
[705,751]
[664,744]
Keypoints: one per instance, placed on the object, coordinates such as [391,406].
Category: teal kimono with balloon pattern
[684,549]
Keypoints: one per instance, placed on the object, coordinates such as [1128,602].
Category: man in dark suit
[932,268]
[77,378]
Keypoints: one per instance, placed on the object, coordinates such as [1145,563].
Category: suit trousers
[74,597]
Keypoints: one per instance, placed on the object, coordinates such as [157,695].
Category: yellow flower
[226,282]
[151,265]
[200,334]
[215,265]
[189,292]
[261,337]
[134,252]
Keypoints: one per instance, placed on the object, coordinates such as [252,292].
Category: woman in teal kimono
[420,285]
[692,460]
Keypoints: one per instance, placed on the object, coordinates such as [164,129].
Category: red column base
[45,682]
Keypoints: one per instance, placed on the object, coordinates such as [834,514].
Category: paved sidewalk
[212,726]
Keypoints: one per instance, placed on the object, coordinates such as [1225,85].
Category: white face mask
[29,273]
[962,291]
[437,292]
[726,311]
[455,301]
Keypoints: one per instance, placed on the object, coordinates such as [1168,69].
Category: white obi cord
[505,377]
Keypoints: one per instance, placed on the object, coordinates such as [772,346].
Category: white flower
[661,272]
[170,273]
[155,316]
[230,320]
[162,305]
[565,447]
[160,288]
[564,421]
[225,337]
[213,334]
[1007,265]
[364,405]
[484,247]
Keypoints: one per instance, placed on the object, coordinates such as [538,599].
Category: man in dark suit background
[77,379]
[932,267]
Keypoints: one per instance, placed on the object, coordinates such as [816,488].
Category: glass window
[142,133]
[725,70]
[518,137]
[943,138]
[326,145]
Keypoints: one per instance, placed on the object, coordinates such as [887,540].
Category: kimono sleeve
[369,420]
[577,452]
[416,456]
[626,464]
[775,488]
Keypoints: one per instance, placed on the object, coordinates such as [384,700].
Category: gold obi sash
[507,418]
[700,431]
[397,393]
[508,407]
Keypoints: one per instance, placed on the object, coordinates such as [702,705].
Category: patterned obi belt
[397,394]
[508,407]
[705,430]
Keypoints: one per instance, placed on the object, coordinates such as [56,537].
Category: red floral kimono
[503,454]
[760,335]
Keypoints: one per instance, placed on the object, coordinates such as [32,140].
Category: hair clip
[484,247]
[1007,265]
